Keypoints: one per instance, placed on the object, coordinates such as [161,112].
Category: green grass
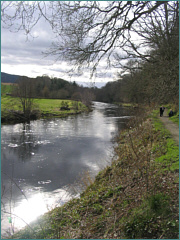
[150,218]
[174,118]
[52,106]
[127,104]
[6,88]
[9,103]
[170,158]
[47,107]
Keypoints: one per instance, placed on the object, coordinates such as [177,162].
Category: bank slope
[135,197]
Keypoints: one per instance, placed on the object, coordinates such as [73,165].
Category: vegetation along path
[170,126]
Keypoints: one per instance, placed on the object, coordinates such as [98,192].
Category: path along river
[42,162]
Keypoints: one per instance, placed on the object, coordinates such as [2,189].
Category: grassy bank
[11,106]
[135,197]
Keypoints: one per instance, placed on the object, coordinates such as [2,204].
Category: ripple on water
[13,145]
[42,142]
[44,182]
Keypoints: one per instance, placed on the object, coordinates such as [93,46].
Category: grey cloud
[17,45]
[16,50]
[59,69]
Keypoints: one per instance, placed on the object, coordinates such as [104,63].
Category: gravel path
[172,127]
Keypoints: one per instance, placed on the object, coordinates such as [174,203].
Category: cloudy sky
[23,56]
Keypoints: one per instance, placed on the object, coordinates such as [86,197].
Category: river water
[42,163]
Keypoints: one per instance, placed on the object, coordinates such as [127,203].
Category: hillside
[44,86]
[8,78]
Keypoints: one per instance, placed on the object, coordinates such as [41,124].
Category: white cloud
[23,56]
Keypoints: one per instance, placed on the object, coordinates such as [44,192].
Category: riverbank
[11,110]
[135,197]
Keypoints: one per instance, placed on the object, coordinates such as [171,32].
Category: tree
[87,97]
[146,33]
[24,90]
[87,31]
[45,92]
[156,75]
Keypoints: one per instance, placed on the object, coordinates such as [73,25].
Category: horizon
[81,83]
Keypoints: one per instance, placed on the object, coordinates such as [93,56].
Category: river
[42,162]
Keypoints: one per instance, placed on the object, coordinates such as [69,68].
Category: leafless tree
[87,97]
[157,31]
[24,90]
[89,31]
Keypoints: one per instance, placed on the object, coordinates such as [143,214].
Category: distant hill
[8,78]
[11,78]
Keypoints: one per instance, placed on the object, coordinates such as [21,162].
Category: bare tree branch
[88,32]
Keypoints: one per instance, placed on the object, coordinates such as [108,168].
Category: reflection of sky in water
[46,156]
[38,203]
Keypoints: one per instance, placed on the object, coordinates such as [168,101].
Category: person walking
[161,111]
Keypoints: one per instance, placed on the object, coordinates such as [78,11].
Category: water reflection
[27,210]
[42,161]
[37,204]
[21,142]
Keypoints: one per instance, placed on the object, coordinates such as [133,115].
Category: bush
[64,104]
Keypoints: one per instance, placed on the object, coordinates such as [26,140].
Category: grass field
[46,107]
[52,106]
[6,88]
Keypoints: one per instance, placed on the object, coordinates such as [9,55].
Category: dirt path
[172,127]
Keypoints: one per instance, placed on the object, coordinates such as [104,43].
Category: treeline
[144,46]
[154,76]
[53,88]
[156,81]
[47,87]
[148,77]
